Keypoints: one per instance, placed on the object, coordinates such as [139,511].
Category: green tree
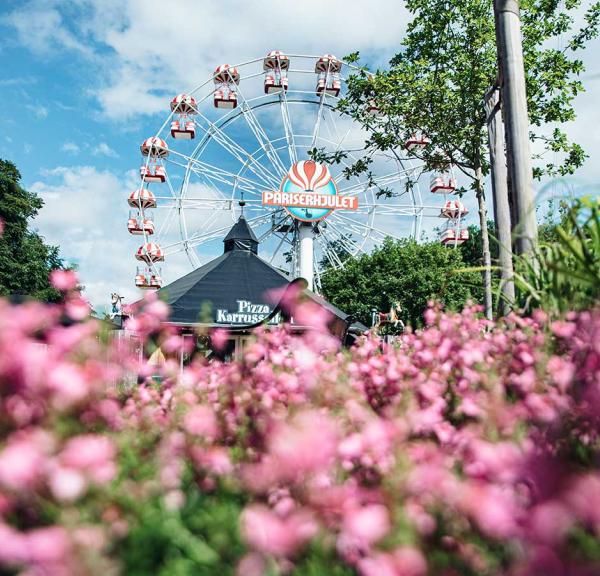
[437,82]
[25,260]
[399,271]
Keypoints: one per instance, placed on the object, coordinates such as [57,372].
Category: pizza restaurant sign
[309,193]
[246,313]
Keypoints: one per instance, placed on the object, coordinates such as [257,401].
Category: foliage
[468,447]
[436,83]
[564,272]
[399,271]
[25,260]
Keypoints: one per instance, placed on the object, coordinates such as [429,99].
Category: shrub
[468,448]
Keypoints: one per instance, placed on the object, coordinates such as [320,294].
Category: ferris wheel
[243,143]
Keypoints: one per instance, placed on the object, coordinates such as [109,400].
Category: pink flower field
[468,447]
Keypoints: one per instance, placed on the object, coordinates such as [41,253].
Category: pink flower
[67,383]
[308,444]
[368,524]
[64,280]
[67,485]
[265,532]
[77,308]
[48,546]
[22,463]
[550,522]
[91,455]
[201,421]
[13,546]
[219,338]
[377,565]
[409,561]
[252,564]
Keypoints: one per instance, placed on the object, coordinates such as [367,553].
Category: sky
[83,82]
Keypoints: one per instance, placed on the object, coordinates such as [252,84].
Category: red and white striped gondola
[275,65]
[276,59]
[417,142]
[142,198]
[184,104]
[332,88]
[328,68]
[442,183]
[141,280]
[184,127]
[150,253]
[155,149]
[328,63]
[153,173]
[155,280]
[225,77]
[275,84]
[452,236]
[453,209]
[373,109]
[138,225]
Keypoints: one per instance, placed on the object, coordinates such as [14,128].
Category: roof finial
[242,203]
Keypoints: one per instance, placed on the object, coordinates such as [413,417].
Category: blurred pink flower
[308,444]
[77,308]
[92,455]
[64,280]
[66,485]
[252,564]
[265,532]
[201,421]
[409,561]
[22,463]
[218,338]
[368,524]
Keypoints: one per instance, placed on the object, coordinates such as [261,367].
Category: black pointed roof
[241,237]
[212,293]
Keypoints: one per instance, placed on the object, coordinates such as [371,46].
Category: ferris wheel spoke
[235,181]
[217,233]
[348,243]
[317,127]
[375,229]
[284,238]
[287,126]
[238,152]
[361,187]
[212,173]
[166,223]
[330,252]
[274,226]
[261,136]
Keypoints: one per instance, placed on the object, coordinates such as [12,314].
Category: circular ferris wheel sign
[309,193]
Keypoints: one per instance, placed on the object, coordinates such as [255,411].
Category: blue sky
[83,82]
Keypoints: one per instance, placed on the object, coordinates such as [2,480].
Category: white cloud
[85,213]
[37,110]
[70,148]
[103,149]
[41,27]
[148,49]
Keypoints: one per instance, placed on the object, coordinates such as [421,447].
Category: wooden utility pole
[499,175]
[516,120]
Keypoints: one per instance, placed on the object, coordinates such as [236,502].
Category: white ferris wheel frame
[263,168]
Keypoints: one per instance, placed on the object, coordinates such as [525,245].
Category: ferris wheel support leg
[305,233]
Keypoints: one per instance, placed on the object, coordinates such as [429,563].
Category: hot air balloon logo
[309,175]
[309,193]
